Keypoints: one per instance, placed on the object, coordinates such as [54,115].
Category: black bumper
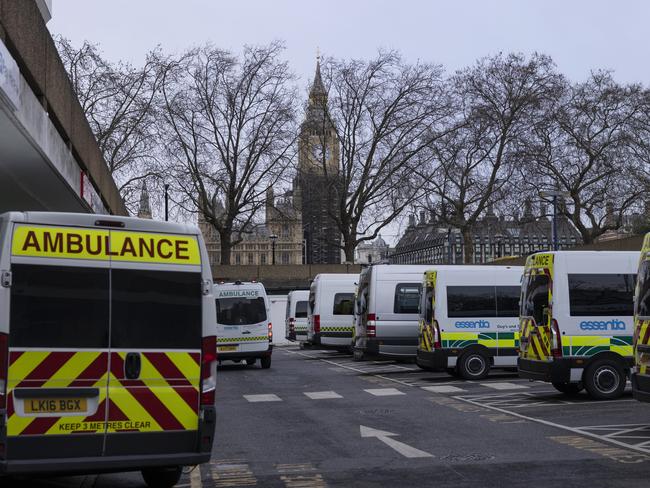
[435,360]
[641,387]
[232,356]
[558,370]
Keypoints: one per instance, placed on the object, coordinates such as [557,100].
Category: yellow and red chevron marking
[166,397]
[642,336]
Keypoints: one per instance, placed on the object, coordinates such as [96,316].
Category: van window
[240,311]
[643,298]
[407,298]
[534,301]
[471,301]
[426,310]
[59,306]
[301,310]
[156,309]
[601,294]
[343,304]
[508,301]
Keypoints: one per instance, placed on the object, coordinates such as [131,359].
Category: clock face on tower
[321,153]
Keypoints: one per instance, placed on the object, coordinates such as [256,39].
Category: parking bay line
[548,423]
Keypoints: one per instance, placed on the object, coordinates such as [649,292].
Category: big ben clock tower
[318,179]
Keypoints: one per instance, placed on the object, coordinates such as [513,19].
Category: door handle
[132,366]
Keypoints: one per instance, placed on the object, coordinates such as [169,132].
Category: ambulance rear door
[242,319]
[536,308]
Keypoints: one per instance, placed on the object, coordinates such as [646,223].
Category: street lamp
[166,202]
[273,238]
[554,194]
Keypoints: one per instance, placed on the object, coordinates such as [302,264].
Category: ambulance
[296,316]
[641,372]
[468,319]
[386,311]
[244,332]
[576,320]
[331,310]
[107,346]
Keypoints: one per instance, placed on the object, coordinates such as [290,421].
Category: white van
[576,321]
[330,310]
[107,345]
[243,328]
[386,311]
[296,316]
[469,317]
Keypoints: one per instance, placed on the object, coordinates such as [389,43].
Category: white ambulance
[331,310]
[468,319]
[244,331]
[296,315]
[107,345]
[576,320]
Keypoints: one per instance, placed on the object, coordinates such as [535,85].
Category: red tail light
[316,320]
[208,370]
[371,325]
[437,344]
[4,368]
[270,332]
[556,340]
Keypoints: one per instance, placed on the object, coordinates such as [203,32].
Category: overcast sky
[580,35]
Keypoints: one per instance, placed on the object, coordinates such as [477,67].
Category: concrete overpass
[49,159]
[280,278]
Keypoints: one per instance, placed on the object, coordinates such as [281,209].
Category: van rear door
[242,320]
[536,313]
[58,358]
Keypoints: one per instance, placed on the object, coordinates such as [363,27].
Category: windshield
[240,311]
[534,301]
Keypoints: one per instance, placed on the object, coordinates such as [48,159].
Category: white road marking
[195,478]
[386,437]
[442,389]
[384,391]
[505,386]
[263,398]
[322,395]
[575,430]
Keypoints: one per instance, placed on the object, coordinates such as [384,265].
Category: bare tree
[386,112]
[591,148]
[498,100]
[229,133]
[118,101]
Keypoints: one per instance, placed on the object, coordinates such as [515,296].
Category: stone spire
[144,210]
[317,94]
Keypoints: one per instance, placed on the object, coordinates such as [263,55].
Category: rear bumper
[232,356]
[558,370]
[435,360]
[641,387]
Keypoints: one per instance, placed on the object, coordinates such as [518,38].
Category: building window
[237,258]
[250,258]
[263,258]
[285,258]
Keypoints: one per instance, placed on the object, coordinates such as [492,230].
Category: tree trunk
[468,246]
[226,247]
[349,251]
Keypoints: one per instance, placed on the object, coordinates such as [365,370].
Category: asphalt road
[317,419]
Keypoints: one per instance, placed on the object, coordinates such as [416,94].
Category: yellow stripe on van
[104,245]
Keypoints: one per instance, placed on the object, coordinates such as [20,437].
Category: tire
[303,345]
[473,365]
[250,361]
[425,368]
[604,379]
[570,389]
[162,477]
[265,362]
[357,355]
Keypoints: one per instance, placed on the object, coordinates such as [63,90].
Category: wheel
[162,477]
[425,368]
[265,362]
[473,365]
[250,361]
[357,355]
[569,388]
[604,379]
[303,345]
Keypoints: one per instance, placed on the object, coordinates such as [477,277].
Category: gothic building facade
[317,181]
[493,237]
[279,239]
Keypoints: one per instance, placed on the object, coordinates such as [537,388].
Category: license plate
[56,405]
[226,348]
